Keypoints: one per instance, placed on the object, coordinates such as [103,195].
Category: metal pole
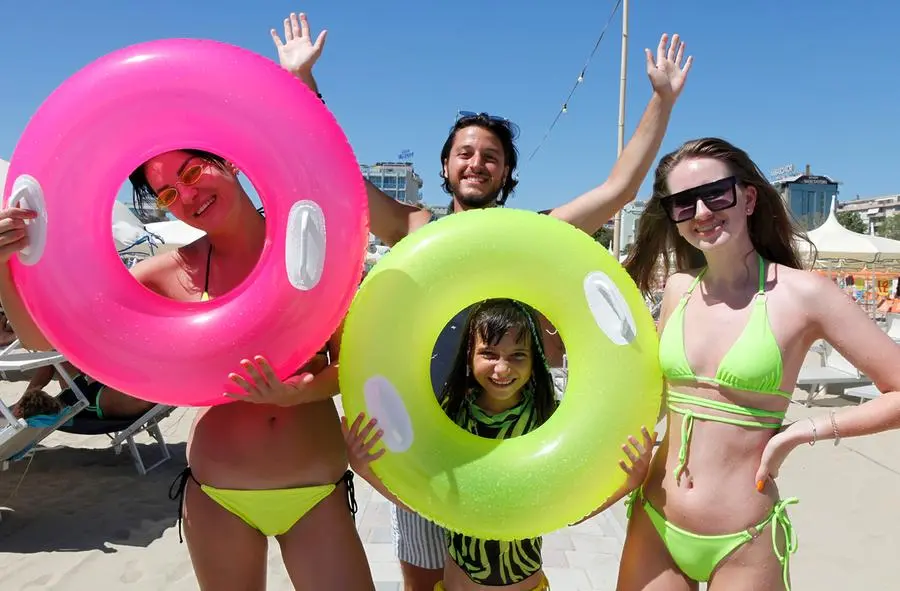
[617,220]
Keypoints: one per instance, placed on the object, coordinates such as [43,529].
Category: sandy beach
[77,516]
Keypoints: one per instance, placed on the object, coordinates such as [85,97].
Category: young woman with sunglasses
[738,317]
[274,462]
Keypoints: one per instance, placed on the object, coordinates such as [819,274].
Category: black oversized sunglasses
[716,196]
[482,115]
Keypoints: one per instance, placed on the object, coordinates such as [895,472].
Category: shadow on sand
[76,499]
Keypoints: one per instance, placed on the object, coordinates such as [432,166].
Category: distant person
[35,403]
[104,402]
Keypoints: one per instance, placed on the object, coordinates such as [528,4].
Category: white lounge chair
[18,439]
[834,373]
[892,325]
[122,432]
[863,393]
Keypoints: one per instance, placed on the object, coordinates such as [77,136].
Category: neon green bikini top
[753,364]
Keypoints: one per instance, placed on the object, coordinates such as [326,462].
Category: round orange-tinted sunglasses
[189,176]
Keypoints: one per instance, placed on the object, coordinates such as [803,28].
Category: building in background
[808,196]
[873,211]
[629,224]
[397,180]
[628,228]
[438,211]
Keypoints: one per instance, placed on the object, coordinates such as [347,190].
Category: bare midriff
[243,445]
[717,493]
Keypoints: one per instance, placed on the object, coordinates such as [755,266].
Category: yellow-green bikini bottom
[274,511]
[698,556]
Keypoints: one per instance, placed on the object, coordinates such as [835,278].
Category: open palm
[667,75]
[297,53]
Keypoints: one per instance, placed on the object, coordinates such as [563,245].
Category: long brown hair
[773,230]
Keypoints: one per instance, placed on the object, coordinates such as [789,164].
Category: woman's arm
[40,378]
[13,238]
[667,76]
[841,322]
[389,219]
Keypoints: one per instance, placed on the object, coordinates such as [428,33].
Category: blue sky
[791,82]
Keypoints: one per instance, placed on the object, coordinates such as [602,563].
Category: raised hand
[666,73]
[297,53]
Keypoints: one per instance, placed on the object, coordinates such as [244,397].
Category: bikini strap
[762,275]
[176,492]
[208,265]
[694,284]
[781,523]
[347,479]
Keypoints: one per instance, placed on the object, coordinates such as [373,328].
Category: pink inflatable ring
[129,106]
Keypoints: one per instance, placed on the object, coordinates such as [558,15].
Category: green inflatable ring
[539,482]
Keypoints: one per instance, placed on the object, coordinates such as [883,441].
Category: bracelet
[815,433]
[837,434]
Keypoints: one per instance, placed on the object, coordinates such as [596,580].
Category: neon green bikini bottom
[272,512]
[698,556]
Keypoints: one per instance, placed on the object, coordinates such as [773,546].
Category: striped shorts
[560,376]
[417,541]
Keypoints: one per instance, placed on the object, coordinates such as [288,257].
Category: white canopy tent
[173,234]
[834,241]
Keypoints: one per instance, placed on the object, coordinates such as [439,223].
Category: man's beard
[475,201]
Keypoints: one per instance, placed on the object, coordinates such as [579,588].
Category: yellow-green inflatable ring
[525,486]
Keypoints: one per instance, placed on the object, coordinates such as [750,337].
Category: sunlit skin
[502,370]
[476,167]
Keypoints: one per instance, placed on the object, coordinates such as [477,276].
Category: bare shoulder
[156,271]
[813,291]
[152,272]
[801,281]
[678,283]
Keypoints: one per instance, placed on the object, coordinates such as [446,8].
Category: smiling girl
[500,387]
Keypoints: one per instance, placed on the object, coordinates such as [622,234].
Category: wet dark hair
[506,131]
[38,402]
[773,231]
[491,319]
[143,196]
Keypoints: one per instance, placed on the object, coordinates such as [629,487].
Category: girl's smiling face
[502,369]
